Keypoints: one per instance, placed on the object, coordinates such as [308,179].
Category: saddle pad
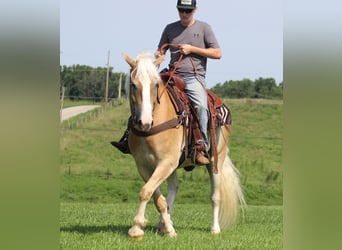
[223,116]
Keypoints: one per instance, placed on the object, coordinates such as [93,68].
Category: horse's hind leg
[226,193]
[215,199]
[172,188]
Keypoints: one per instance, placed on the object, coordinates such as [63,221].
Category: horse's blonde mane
[146,68]
[144,71]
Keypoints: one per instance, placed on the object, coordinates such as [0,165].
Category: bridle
[172,123]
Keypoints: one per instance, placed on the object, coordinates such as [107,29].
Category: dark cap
[186,4]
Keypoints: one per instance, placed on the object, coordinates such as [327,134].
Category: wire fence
[90,115]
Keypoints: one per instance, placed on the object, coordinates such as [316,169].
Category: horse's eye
[133,86]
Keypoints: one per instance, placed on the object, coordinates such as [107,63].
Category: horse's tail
[231,195]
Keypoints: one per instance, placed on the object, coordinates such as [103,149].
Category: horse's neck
[164,110]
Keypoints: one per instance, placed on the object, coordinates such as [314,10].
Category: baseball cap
[186,4]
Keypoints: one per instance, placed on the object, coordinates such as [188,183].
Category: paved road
[73,111]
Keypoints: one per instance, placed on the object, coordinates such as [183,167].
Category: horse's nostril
[144,126]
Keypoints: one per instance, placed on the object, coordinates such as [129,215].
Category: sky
[250,34]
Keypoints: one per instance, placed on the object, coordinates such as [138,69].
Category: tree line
[82,82]
[265,88]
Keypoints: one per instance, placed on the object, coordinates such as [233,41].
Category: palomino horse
[157,156]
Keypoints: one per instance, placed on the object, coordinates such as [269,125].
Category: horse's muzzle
[144,126]
[143,121]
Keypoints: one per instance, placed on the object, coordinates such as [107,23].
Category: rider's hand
[157,54]
[186,49]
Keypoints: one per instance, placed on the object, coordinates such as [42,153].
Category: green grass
[105,226]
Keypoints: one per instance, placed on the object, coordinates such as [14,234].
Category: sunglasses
[187,11]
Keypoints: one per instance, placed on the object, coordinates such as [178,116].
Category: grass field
[100,185]
[105,226]
[92,170]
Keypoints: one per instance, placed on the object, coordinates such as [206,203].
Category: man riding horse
[196,42]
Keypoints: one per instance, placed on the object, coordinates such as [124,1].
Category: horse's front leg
[150,187]
[137,230]
[172,188]
[165,225]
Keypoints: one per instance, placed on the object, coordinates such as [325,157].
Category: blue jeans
[198,98]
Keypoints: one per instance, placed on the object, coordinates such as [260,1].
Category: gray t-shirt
[199,34]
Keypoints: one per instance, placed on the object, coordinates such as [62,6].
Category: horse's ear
[129,60]
[159,60]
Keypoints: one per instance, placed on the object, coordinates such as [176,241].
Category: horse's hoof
[137,238]
[169,231]
[161,230]
[172,234]
[215,231]
[136,233]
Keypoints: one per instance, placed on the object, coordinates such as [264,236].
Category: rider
[197,42]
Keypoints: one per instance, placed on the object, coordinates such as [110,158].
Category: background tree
[260,88]
[84,82]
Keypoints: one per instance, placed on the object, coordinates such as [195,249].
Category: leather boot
[200,153]
[201,159]
[122,145]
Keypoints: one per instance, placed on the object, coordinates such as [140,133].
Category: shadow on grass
[121,229]
[192,228]
[89,229]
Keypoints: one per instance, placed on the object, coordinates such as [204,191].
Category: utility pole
[107,79]
[62,103]
[119,89]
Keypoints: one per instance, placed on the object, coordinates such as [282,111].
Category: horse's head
[143,90]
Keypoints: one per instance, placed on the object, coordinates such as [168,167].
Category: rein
[161,51]
[172,72]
